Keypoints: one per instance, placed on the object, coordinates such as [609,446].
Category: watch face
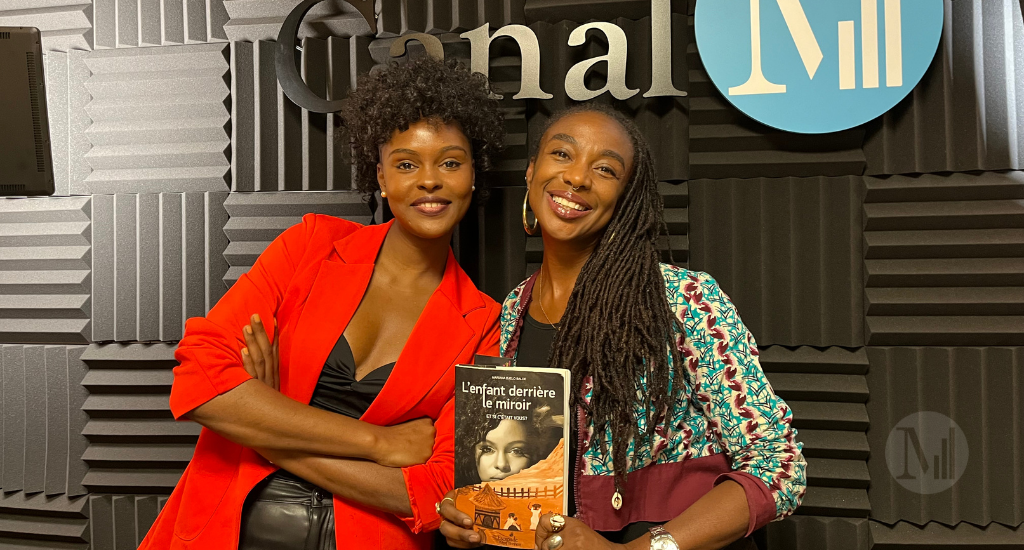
[663,543]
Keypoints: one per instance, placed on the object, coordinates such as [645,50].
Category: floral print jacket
[726,406]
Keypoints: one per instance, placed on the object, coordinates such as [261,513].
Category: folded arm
[367,483]
[409,493]
[256,416]
[212,388]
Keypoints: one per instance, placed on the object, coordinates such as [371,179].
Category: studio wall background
[881,269]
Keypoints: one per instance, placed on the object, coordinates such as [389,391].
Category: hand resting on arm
[370,483]
[211,387]
[255,415]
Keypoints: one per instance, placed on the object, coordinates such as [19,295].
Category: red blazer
[311,279]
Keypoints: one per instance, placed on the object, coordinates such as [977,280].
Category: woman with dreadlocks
[680,441]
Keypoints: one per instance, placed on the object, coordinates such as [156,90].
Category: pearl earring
[383,194]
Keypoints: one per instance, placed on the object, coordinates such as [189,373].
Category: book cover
[510,449]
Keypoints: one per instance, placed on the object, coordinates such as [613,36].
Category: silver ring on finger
[555,542]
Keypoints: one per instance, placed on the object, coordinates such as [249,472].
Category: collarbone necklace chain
[540,300]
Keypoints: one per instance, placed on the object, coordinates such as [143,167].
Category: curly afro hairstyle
[404,93]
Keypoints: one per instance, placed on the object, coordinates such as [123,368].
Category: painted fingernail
[256,317]
[245,351]
[248,329]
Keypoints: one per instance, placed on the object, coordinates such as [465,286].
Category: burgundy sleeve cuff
[759,499]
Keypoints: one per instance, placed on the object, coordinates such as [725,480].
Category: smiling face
[503,452]
[591,152]
[427,173]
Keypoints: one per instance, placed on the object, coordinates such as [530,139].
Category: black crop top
[338,391]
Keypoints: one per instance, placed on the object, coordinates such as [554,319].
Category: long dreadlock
[618,326]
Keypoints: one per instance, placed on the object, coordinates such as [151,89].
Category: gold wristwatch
[662,539]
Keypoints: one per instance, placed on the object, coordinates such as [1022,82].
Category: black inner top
[338,391]
[535,341]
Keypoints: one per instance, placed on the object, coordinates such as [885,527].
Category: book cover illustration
[510,449]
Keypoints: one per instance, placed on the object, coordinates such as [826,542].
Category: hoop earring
[530,230]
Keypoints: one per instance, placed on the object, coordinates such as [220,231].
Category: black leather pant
[285,512]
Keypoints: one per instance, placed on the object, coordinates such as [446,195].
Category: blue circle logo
[817,66]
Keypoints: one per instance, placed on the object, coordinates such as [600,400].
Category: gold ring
[555,542]
[557,524]
[437,505]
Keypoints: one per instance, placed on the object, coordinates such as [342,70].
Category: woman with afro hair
[324,378]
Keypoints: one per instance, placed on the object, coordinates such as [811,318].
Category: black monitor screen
[26,167]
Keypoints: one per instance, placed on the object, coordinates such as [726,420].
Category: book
[511,454]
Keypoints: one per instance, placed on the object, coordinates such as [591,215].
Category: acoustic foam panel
[129,23]
[38,521]
[120,522]
[63,24]
[674,247]
[158,260]
[158,120]
[935,536]
[255,20]
[42,419]
[510,168]
[135,445]
[256,219]
[982,390]
[396,17]
[20,525]
[725,143]
[788,252]
[967,112]
[944,258]
[276,145]
[492,240]
[819,533]
[45,261]
[662,120]
[67,98]
[827,391]
[57,70]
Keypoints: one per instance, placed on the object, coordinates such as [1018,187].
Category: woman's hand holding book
[457,527]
